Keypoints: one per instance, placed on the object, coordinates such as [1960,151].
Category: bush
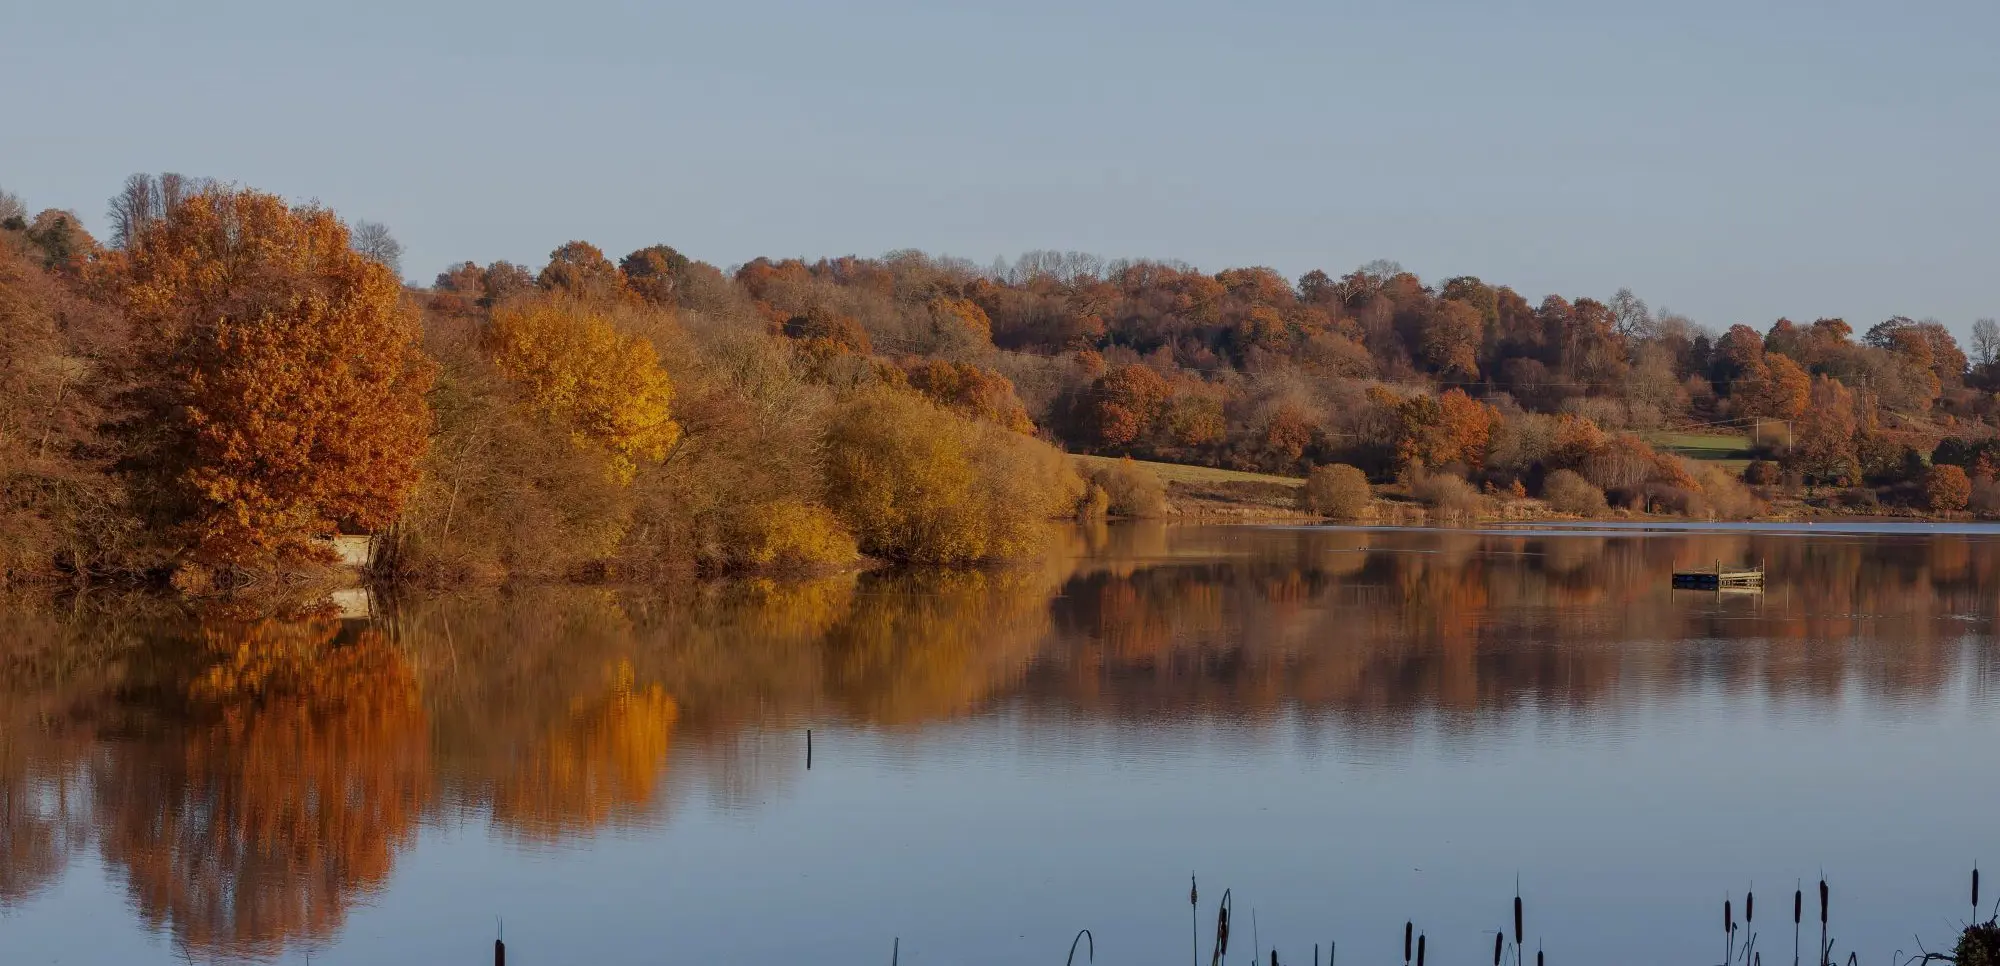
[792,536]
[1568,492]
[1860,498]
[1096,504]
[1338,491]
[1449,495]
[1131,490]
[1946,489]
[1762,473]
[1985,498]
[1722,494]
[916,483]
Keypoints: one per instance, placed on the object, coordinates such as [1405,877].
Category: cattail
[1194,894]
[1274,957]
[1498,939]
[1538,957]
[1420,951]
[499,953]
[1822,902]
[1728,920]
[1517,915]
[1798,906]
[1749,907]
[1409,931]
[1975,890]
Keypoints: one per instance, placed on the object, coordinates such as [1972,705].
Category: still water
[1348,728]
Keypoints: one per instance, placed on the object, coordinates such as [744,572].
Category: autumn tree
[281,389]
[1774,387]
[1123,405]
[655,273]
[1438,431]
[1451,338]
[579,270]
[1946,489]
[970,389]
[577,371]
[1823,444]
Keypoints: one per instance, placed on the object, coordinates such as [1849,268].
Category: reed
[1420,951]
[1825,946]
[1728,934]
[1409,934]
[1194,921]
[1090,951]
[1222,928]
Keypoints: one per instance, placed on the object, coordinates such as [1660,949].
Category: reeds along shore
[1977,943]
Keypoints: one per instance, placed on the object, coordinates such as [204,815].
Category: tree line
[231,378]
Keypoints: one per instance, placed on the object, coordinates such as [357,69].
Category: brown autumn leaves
[235,382]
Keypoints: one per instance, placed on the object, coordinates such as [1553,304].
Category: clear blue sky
[1732,160]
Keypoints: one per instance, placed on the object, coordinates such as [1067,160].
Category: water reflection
[248,782]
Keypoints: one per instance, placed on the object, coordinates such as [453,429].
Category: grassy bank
[1206,493]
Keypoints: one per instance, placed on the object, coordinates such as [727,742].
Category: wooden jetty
[1720,579]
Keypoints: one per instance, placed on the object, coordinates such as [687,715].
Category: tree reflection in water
[250,781]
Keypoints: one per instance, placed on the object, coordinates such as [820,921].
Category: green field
[1729,449]
[1198,475]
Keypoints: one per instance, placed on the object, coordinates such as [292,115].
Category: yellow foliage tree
[575,369]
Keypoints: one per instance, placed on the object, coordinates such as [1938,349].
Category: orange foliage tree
[1441,430]
[970,389]
[1123,404]
[578,269]
[1947,489]
[281,389]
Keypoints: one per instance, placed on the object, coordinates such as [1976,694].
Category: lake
[1348,728]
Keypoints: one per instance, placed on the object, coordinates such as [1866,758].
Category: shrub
[1449,495]
[1985,498]
[1722,494]
[1338,491]
[1860,498]
[1131,490]
[1946,489]
[916,483]
[1761,473]
[1096,504]
[792,535]
[1568,492]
